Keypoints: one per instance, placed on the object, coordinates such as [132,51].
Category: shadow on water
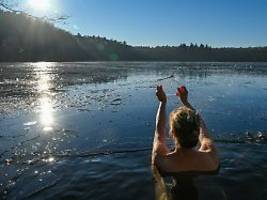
[72,130]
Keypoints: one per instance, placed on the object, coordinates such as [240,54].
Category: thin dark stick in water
[168,77]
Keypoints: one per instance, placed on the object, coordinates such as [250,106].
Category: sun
[39,5]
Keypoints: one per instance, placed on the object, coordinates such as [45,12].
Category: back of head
[184,124]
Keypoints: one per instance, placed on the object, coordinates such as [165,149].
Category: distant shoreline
[24,39]
[125,61]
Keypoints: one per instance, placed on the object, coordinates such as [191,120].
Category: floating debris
[83,110]
[30,123]
[261,136]
[47,129]
[8,161]
[49,159]
[116,102]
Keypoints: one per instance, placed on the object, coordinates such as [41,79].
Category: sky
[219,23]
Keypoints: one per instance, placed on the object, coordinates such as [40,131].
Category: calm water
[84,130]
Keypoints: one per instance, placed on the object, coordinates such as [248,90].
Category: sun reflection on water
[45,101]
[49,160]
[46,113]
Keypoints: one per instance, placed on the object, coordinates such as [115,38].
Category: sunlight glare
[43,76]
[39,5]
[42,71]
[46,116]
[49,160]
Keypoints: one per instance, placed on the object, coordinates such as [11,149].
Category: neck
[182,149]
[178,147]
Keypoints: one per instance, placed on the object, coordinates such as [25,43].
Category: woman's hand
[183,94]
[161,94]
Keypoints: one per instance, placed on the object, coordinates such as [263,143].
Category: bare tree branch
[9,6]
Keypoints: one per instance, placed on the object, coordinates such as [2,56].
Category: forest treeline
[23,38]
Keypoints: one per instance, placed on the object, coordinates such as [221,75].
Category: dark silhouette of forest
[24,38]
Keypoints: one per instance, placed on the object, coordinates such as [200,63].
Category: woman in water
[194,153]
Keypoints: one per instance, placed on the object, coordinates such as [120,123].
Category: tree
[183,45]
[23,38]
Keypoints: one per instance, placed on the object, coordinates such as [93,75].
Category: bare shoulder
[209,157]
[190,161]
[175,162]
[164,162]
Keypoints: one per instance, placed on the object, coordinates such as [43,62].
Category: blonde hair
[184,124]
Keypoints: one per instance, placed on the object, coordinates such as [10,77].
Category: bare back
[187,160]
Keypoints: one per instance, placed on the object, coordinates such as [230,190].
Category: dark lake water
[84,130]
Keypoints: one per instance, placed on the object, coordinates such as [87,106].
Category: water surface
[84,130]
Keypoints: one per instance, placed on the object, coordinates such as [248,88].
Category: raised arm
[183,94]
[204,138]
[159,145]
[206,142]
[161,114]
